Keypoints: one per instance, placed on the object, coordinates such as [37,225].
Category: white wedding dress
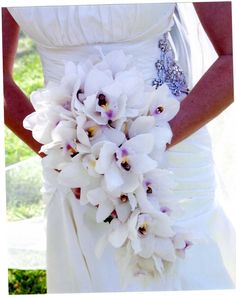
[73,33]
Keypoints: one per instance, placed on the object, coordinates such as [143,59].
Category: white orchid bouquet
[105,131]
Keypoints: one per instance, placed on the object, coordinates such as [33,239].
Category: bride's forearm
[210,96]
[16,104]
[16,108]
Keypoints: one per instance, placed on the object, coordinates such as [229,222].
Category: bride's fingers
[76,192]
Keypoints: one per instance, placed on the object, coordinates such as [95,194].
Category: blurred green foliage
[27,282]
[15,149]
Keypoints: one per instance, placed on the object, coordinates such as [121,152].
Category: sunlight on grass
[15,149]
[27,282]
[24,211]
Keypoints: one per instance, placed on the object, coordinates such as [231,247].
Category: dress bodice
[72,32]
[60,26]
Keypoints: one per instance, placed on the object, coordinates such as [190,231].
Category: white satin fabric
[73,33]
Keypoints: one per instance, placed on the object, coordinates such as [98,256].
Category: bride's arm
[214,91]
[16,104]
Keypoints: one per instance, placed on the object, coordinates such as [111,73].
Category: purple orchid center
[159,109]
[125,164]
[71,150]
[187,244]
[91,131]
[143,229]
[124,153]
[79,95]
[165,209]
[148,187]
[67,105]
[124,198]
[114,214]
[102,101]
[109,114]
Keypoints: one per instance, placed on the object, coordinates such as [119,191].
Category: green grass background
[28,76]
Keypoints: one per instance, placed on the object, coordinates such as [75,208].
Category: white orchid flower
[148,234]
[182,241]
[106,105]
[55,159]
[89,164]
[161,134]
[138,95]
[133,154]
[117,61]
[44,121]
[111,205]
[124,205]
[158,185]
[133,267]
[64,132]
[74,175]
[164,105]
[122,165]
[99,198]
[75,75]
[89,133]
[53,94]
[50,184]
[87,83]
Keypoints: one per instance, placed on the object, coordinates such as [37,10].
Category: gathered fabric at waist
[144,54]
[192,163]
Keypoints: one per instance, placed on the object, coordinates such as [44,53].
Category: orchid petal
[164,248]
[118,236]
[105,208]
[166,100]
[158,264]
[117,61]
[64,131]
[136,245]
[96,80]
[123,211]
[131,80]
[114,135]
[82,136]
[96,196]
[142,143]
[132,201]
[90,110]
[141,125]
[148,245]
[106,157]
[74,175]
[55,159]
[113,177]
[141,163]
[130,182]
[162,225]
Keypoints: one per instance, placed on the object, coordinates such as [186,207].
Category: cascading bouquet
[105,131]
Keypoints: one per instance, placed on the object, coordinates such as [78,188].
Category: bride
[150,33]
